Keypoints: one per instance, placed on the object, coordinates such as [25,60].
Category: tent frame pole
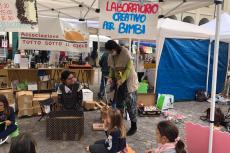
[208,67]
[214,75]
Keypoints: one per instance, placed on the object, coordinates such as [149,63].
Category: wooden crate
[65,125]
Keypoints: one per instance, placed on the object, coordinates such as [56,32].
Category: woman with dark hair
[125,81]
[7,118]
[167,135]
[69,92]
[24,143]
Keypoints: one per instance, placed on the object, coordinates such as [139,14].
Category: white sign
[18,16]
[56,35]
[129,19]
[4,43]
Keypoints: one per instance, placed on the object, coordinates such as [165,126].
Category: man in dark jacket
[105,72]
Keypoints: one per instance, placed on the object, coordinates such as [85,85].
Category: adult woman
[7,118]
[122,72]
[69,92]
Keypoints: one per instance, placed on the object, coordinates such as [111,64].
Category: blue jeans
[103,85]
[6,132]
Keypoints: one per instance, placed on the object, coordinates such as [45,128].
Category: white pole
[130,45]
[137,54]
[4,48]
[214,76]
[98,51]
[208,67]
[226,76]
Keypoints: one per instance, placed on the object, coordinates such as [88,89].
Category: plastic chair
[12,135]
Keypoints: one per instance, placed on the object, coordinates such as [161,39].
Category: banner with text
[129,19]
[18,16]
[56,35]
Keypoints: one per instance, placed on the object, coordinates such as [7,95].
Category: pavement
[144,136]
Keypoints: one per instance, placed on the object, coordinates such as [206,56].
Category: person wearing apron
[125,81]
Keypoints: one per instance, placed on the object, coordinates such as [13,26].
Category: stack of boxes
[25,105]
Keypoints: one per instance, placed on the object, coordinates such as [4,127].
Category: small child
[167,138]
[115,135]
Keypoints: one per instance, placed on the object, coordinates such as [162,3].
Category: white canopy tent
[169,28]
[224,27]
[215,65]
[86,9]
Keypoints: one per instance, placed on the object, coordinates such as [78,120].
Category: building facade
[202,15]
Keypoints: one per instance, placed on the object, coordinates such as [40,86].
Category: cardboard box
[89,105]
[25,112]
[9,95]
[24,99]
[146,99]
[32,86]
[87,95]
[44,95]
[43,85]
[3,81]
[37,110]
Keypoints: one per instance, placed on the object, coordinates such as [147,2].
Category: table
[85,76]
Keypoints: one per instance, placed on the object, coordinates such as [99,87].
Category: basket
[65,125]
[143,113]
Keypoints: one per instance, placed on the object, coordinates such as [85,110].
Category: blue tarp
[183,67]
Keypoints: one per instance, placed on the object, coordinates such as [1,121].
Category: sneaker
[131,131]
[3,140]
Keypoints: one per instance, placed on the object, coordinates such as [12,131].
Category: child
[24,143]
[7,118]
[115,133]
[167,138]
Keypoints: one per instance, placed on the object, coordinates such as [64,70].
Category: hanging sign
[4,43]
[129,19]
[18,16]
[56,35]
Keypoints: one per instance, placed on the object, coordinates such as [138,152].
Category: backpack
[201,96]
[219,118]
